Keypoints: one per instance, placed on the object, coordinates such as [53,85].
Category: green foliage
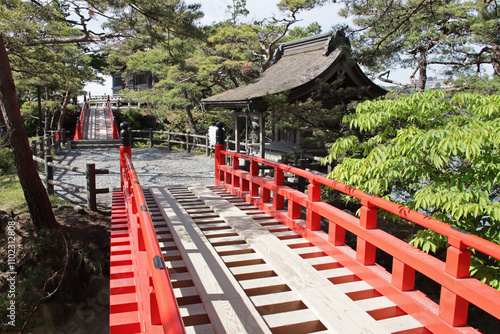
[319,117]
[485,271]
[6,160]
[432,152]
[186,70]
[429,241]
[461,35]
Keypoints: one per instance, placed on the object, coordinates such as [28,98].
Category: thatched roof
[297,65]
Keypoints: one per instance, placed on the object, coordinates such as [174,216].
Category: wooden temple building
[296,68]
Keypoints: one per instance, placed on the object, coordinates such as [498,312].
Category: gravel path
[154,167]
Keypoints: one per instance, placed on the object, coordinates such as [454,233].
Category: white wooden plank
[337,311]
[252,271]
[401,324]
[242,259]
[274,298]
[227,305]
[286,319]
[378,307]
[200,329]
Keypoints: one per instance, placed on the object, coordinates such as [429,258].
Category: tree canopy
[432,152]
[460,35]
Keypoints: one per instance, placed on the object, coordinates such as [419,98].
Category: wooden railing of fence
[43,145]
[90,173]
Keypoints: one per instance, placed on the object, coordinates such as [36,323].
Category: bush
[6,160]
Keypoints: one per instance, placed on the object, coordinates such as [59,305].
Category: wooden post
[91,188]
[254,171]
[313,219]
[236,166]
[219,157]
[279,180]
[453,309]
[336,234]
[365,251]
[169,145]
[49,175]
[125,148]
[188,148]
[207,145]
[403,276]
[151,138]
[42,147]
[262,136]
[34,151]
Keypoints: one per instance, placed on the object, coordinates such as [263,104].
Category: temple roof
[297,65]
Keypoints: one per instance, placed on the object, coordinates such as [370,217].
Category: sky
[216,10]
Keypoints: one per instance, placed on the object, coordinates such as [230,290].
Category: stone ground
[154,167]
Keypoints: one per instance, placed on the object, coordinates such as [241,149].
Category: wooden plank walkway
[97,125]
[237,270]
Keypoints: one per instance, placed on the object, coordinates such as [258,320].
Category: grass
[11,196]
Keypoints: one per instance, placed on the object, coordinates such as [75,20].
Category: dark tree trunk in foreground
[37,199]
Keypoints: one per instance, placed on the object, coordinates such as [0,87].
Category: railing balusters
[452,308]
[456,294]
[365,251]
[279,180]
[313,219]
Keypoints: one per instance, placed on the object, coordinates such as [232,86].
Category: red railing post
[403,276]
[254,171]
[220,159]
[125,148]
[452,308]
[365,251]
[245,186]
[336,234]
[279,180]
[313,220]
[236,166]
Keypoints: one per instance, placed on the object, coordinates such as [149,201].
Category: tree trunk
[496,59]
[422,71]
[67,97]
[37,199]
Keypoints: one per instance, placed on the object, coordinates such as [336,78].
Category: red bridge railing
[116,133]
[155,292]
[80,120]
[285,204]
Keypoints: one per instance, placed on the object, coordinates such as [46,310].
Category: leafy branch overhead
[431,151]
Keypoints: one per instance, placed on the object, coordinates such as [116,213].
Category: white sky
[216,10]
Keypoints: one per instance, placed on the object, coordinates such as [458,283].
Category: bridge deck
[97,125]
[235,269]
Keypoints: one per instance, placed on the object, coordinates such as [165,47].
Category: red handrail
[78,129]
[458,289]
[162,299]
[116,133]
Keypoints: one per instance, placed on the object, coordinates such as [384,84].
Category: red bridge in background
[250,254]
[96,123]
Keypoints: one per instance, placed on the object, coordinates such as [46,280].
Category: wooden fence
[43,145]
[90,172]
[186,140]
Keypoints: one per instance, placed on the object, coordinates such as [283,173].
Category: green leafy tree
[45,36]
[461,35]
[189,69]
[431,152]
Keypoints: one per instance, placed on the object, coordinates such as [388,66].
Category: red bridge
[249,254]
[96,123]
